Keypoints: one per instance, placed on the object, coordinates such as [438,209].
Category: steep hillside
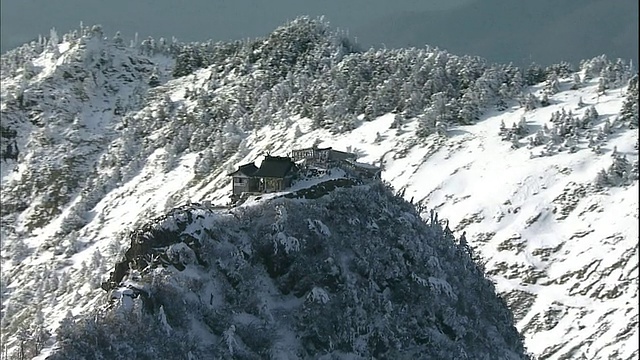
[97,140]
[63,106]
[60,113]
[353,274]
[553,215]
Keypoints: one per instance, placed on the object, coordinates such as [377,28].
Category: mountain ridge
[168,148]
[524,33]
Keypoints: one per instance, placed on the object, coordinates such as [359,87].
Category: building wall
[272,184]
[297,155]
[311,153]
[341,155]
[240,185]
[244,184]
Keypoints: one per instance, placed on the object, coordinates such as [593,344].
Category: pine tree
[538,139]
[53,38]
[530,102]
[397,122]
[552,85]
[441,128]
[601,180]
[602,86]
[154,78]
[606,127]
[619,170]
[545,100]
[503,129]
[218,149]
[319,117]
[570,144]
[187,62]
[515,144]
[469,110]
[588,118]
[503,95]
[426,124]
[117,39]
[66,327]
[576,83]
[633,173]
[39,332]
[534,74]
[96,31]
[148,46]
[24,337]
[629,110]
[522,128]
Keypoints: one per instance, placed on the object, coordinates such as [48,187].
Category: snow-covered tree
[530,102]
[117,39]
[204,164]
[576,82]
[552,84]
[618,172]
[602,179]
[154,78]
[602,86]
[534,74]
[544,101]
[629,110]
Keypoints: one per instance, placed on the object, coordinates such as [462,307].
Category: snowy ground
[579,272]
[571,281]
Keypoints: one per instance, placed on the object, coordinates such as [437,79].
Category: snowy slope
[571,279]
[561,251]
[564,255]
[69,111]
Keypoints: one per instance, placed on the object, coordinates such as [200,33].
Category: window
[238,180]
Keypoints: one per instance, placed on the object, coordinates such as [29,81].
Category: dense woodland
[290,267]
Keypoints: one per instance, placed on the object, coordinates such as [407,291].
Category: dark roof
[341,155]
[275,166]
[246,169]
[313,148]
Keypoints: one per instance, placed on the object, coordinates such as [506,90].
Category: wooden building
[275,173]
[320,156]
[243,179]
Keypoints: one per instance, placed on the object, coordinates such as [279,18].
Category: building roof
[313,148]
[246,169]
[362,165]
[342,155]
[275,166]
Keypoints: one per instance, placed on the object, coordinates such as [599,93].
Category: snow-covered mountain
[99,138]
[292,277]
